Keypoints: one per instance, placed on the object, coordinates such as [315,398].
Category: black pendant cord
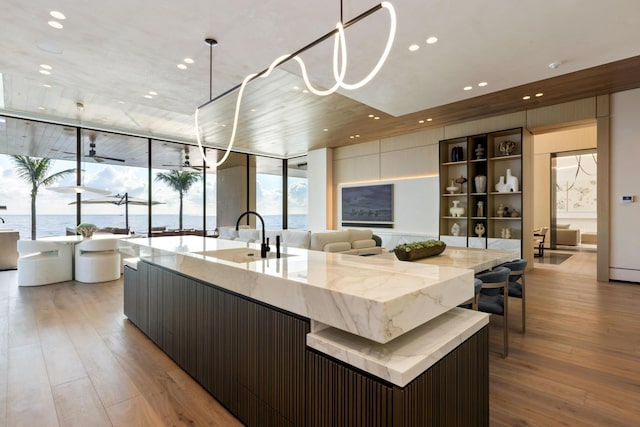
[341,16]
[210,71]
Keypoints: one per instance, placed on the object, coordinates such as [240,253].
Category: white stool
[97,260]
[43,263]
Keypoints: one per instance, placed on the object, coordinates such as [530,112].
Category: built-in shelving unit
[495,208]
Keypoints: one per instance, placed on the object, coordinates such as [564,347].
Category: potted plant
[417,250]
[86,229]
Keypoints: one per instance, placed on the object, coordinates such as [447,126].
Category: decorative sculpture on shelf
[461,181]
[456,210]
[479,152]
[480,210]
[510,185]
[481,183]
[480,229]
[507,147]
[452,188]
[455,229]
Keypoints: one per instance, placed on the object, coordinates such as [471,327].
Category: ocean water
[56,225]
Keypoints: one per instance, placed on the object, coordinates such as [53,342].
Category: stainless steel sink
[240,255]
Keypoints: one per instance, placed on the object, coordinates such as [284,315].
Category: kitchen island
[314,338]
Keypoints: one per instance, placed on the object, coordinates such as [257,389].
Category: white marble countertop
[472,258]
[377,298]
[406,357]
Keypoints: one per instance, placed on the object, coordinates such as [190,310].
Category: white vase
[480,229]
[456,210]
[501,186]
[480,211]
[512,182]
[455,229]
[481,183]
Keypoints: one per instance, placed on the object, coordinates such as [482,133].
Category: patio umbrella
[120,199]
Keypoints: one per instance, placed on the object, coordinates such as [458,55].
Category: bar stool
[495,285]
[516,283]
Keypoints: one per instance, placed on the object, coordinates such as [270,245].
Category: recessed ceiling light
[253,110]
[121,102]
[414,47]
[56,25]
[376,118]
[305,91]
[351,137]
[296,88]
[539,94]
[45,72]
[554,65]
[482,84]
[429,120]
[432,40]
[57,15]
[46,85]
[468,87]
[526,97]
[188,61]
[182,66]
[371,116]
[148,96]
[420,121]
[325,130]
[357,136]
[40,108]
[46,67]
[152,93]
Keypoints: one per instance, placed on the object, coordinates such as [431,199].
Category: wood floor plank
[78,405]
[134,412]
[29,398]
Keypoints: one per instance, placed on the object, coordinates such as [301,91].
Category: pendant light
[339,55]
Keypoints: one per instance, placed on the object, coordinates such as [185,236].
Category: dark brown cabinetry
[474,212]
[253,358]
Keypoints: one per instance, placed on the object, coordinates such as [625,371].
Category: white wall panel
[625,180]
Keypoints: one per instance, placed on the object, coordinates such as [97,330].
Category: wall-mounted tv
[367,206]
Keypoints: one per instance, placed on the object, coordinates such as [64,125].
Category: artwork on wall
[576,187]
[368,206]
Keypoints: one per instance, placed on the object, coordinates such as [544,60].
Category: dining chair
[539,236]
[43,263]
[517,283]
[97,260]
[472,303]
[492,299]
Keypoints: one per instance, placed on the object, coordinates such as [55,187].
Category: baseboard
[624,274]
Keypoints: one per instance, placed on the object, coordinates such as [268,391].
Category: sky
[15,193]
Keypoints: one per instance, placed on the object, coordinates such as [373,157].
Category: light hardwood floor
[69,357]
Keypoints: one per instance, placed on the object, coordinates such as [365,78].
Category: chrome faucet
[264,247]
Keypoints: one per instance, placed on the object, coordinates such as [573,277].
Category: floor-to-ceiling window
[176,179]
[268,191]
[56,144]
[297,195]
[117,164]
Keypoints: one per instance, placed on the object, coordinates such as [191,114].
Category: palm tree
[34,171]
[179,181]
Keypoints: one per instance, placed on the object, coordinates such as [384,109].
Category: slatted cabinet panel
[253,358]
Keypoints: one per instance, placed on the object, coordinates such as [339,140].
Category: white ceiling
[110,54]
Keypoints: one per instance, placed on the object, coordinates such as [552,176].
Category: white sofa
[349,241]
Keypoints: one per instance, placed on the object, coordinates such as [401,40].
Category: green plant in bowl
[416,250]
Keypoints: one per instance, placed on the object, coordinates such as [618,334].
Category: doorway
[565,179]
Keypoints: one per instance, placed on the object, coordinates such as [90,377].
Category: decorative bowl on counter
[418,250]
